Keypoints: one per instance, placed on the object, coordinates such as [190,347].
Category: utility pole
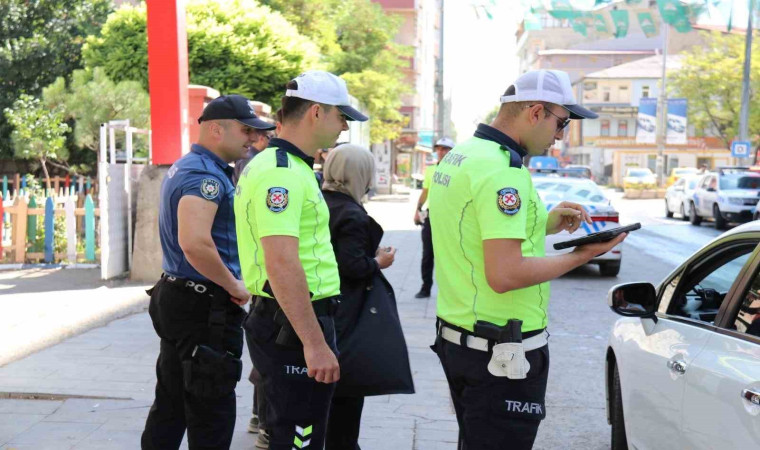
[744,115]
[441,110]
[662,110]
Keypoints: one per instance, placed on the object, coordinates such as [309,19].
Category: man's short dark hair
[294,108]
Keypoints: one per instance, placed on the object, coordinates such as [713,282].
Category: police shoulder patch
[209,188]
[508,201]
[277,199]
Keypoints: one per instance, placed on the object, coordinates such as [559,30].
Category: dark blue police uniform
[200,328]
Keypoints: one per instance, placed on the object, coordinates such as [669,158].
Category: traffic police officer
[289,265]
[489,225]
[421,217]
[196,305]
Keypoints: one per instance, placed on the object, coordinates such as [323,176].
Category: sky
[480,59]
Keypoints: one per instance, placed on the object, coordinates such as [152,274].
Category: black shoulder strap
[282,157]
[515,160]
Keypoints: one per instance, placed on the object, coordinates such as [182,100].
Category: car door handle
[678,367]
[751,396]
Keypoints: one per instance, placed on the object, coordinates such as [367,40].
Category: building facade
[420,29]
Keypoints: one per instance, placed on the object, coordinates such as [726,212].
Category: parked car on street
[639,178]
[679,172]
[678,198]
[584,170]
[727,195]
[555,189]
[683,363]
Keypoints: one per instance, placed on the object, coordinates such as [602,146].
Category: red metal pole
[168,80]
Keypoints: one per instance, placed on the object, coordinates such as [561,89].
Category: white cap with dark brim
[323,87]
[552,86]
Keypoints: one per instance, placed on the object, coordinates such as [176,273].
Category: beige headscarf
[349,169]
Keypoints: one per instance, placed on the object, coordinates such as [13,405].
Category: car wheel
[619,441]
[668,212]
[720,222]
[683,213]
[693,216]
[609,269]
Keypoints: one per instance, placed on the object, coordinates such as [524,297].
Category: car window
[638,173]
[680,183]
[739,181]
[698,291]
[692,184]
[748,317]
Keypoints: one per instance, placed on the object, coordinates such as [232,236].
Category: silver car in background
[556,189]
[678,197]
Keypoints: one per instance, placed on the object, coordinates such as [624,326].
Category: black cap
[234,107]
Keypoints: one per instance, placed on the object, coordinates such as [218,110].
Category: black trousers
[297,406]
[427,255]
[180,317]
[494,413]
[343,425]
[259,399]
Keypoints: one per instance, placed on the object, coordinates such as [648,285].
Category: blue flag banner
[677,122]
[646,121]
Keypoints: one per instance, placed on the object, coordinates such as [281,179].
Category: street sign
[740,149]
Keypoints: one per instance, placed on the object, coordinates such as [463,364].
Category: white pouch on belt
[508,360]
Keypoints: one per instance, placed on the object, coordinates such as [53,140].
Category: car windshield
[553,191]
[685,171]
[638,173]
[739,181]
[692,184]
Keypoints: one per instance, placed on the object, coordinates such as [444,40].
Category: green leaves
[711,78]
[39,132]
[40,41]
[235,46]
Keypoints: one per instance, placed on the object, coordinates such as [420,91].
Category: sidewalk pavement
[93,391]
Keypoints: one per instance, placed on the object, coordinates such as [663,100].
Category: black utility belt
[322,307]
[200,287]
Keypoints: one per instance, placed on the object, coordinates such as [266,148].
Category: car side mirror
[633,299]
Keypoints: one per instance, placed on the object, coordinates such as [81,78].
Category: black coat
[373,354]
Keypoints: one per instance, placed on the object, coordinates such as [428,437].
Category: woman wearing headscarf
[372,350]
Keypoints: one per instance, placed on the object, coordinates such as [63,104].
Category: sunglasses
[562,122]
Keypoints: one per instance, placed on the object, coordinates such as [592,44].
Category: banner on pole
[677,122]
[646,121]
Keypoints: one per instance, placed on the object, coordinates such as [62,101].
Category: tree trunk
[47,175]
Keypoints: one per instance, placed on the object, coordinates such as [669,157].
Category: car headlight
[736,200]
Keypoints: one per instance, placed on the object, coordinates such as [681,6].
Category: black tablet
[602,236]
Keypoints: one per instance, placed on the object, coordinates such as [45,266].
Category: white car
[683,364]
[553,189]
[678,198]
[728,195]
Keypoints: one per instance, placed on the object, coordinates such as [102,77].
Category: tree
[710,78]
[40,41]
[234,46]
[363,53]
[92,98]
[39,133]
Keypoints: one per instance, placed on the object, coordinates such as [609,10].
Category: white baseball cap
[323,87]
[445,142]
[552,86]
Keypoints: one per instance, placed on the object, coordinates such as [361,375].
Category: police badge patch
[508,201]
[277,199]
[209,188]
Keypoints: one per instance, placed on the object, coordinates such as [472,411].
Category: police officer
[489,225]
[196,305]
[289,265]
[421,217]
